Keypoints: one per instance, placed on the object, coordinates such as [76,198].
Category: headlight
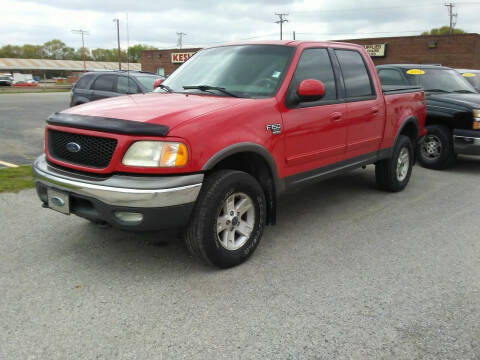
[476,119]
[156,154]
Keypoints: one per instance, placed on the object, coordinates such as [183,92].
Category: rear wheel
[436,150]
[393,174]
[228,219]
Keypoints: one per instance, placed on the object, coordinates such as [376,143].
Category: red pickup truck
[226,134]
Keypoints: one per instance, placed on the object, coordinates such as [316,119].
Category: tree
[135,51]
[444,30]
[11,51]
[56,49]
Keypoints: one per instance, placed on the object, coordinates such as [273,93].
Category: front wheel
[393,174]
[228,220]
[436,149]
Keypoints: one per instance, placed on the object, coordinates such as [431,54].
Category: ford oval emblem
[73,147]
[57,201]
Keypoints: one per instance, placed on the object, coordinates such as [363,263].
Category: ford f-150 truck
[227,133]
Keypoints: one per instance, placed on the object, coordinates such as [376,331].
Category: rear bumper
[466,142]
[164,201]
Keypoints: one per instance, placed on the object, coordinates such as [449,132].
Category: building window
[161,71]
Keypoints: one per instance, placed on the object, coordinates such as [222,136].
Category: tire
[393,174]
[214,234]
[436,150]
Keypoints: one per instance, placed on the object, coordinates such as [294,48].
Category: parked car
[6,80]
[221,140]
[453,111]
[104,84]
[472,76]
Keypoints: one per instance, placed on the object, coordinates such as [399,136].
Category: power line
[83,33]
[281,20]
[180,39]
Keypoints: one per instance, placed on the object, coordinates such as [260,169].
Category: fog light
[128,217]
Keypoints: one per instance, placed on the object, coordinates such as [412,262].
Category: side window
[355,74]
[83,82]
[390,77]
[315,64]
[104,83]
[126,85]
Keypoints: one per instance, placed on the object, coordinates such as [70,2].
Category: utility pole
[118,42]
[83,33]
[452,16]
[180,39]
[293,34]
[281,20]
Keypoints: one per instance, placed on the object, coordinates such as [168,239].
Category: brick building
[457,51]
[164,62]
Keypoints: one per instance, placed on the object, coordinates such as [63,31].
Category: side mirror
[310,90]
[157,83]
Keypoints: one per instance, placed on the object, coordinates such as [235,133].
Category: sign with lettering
[178,58]
[376,50]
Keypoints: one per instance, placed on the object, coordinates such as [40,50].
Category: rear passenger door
[315,132]
[103,87]
[364,108]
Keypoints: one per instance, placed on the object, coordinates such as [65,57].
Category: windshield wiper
[464,92]
[208,87]
[166,88]
[437,90]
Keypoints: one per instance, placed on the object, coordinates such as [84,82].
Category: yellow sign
[415,72]
[469,74]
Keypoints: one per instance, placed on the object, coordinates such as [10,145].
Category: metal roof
[69,65]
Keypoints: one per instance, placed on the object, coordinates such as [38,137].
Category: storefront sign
[376,50]
[178,58]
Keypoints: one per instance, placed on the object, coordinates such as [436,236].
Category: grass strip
[16,179]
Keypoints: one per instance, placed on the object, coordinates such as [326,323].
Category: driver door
[315,132]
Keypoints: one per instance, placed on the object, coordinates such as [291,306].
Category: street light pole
[118,42]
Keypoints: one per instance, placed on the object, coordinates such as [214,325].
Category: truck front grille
[85,150]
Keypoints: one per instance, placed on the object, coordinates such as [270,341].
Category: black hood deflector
[104,124]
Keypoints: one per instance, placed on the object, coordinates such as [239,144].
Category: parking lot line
[8,164]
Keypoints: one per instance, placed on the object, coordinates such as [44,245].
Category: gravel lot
[349,272]
[22,120]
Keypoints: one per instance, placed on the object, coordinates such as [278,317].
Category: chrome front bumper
[121,190]
[466,142]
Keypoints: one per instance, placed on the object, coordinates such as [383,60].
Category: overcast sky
[208,22]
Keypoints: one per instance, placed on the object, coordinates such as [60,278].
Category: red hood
[156,108]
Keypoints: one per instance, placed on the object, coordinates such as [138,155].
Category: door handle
[336,117]
[374,110]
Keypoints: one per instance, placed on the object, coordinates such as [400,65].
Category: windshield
[473,78]
[147,81]
[253,71]
[439,80]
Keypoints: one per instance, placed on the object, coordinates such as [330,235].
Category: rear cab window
[390,77]
[356,77]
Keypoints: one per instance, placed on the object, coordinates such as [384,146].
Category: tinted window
[254,71]
[126,85]
[315,64]
[147,81]
[355,74]
[104,83]
[438,80]
[83,82]
[390,77]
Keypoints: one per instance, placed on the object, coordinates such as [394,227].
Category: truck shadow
[165,252]
[467,165]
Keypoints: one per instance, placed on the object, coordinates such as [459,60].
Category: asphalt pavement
[22,120]
[349,272]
